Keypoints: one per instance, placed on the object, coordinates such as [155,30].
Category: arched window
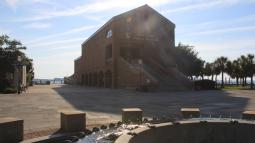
[109,33]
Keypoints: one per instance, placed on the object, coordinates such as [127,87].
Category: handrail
[137,68]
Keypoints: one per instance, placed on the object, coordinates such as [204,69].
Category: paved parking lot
[40,105]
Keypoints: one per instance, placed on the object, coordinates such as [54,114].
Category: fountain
[194,131]
[192,128]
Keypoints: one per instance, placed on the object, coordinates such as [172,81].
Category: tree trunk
[237,81]
[212,77]
[222,80]
[252,82]
[245,81]
[216,81]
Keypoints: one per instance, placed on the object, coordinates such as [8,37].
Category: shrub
[4,83]
[10,90]
[204,85]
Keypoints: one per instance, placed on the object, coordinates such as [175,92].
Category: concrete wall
[194,132]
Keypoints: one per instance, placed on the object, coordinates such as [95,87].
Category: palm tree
[222,63]
[212,71]
[236,73]
[229,69]
[250,67]
[243,63]
[215,70]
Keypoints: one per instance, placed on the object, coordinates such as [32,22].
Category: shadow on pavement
[158,104]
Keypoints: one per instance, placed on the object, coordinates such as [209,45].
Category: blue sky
[53,30]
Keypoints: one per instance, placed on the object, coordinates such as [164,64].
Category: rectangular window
[108,52]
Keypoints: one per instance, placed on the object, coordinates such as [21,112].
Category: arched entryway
[82,79]
[86,79]
[108,79]
[101,79]
[94,79]
[90,79]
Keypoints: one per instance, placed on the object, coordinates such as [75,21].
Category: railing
[137,68]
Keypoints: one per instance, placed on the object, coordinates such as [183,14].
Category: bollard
[11,130]
[73,121]
[133,115]
[190,112]
[248,115]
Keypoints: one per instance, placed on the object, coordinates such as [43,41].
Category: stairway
[165,78]
[170,79]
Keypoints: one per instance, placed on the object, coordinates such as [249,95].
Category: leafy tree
[222,64]
[187,61]
[9,52]
[208,69]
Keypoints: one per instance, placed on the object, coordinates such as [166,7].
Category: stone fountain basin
[210,131]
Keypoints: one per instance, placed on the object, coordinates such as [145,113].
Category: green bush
[48,82]
[10,90]
[204,84]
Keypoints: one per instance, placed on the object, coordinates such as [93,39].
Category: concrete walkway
[40,105]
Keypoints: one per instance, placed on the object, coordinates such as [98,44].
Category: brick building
[129,52]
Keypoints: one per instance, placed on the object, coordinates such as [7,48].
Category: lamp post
[140,62]
[18,74]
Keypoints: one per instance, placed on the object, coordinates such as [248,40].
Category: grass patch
[233,87]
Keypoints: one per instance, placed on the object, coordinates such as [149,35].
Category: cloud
[4,31]
[58,65]
[69,32]
[201,5]
[243,19]
[71,46]
[100,6]
[58,44]
[12,3]
[224,30]
[37,25]
[216,26]
[96,6]
[230,48]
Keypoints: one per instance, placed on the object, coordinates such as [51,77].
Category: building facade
[129,51]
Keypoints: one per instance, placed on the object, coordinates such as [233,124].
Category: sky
[53,30]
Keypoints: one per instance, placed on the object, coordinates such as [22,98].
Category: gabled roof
[145,7]
[128,12]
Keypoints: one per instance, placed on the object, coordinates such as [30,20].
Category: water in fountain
[109,135]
